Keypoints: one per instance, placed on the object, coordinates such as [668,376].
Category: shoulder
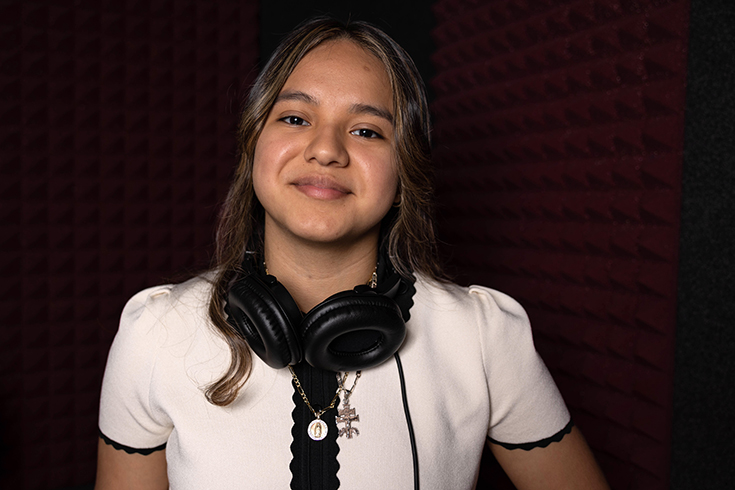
[164,318]
[476,303]
[154,305]
[481,322]
[159,300]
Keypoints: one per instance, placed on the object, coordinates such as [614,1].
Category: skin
[325,174]
[118,470]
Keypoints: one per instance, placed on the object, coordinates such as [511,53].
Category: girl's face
[324,168]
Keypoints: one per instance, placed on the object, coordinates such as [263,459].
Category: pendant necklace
[317,429]
[346,415]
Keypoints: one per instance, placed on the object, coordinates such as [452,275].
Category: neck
[313,273]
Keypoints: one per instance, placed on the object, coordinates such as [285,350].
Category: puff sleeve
[527,409]
[129,419]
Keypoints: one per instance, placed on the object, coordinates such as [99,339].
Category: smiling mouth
[321,187]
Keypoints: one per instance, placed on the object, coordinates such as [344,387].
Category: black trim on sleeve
[128,449]
[527,446]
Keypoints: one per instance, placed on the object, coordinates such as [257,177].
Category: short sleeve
[127,416]
[526,407]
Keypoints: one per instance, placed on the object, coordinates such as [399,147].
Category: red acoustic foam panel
[559,129]
[117,141]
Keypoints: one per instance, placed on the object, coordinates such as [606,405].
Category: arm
[118,470]
[567,464]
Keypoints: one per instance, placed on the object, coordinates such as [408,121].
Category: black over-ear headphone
[351,330]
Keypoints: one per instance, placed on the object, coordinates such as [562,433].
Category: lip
[321,187]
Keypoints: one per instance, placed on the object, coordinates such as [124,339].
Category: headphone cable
[411,436]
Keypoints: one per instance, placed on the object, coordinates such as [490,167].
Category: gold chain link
[306,400]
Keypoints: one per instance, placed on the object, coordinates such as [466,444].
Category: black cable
[411,436]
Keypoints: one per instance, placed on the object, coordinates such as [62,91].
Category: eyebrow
[354,108]
[369,109]
[296,95]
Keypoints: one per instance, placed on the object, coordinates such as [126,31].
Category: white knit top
[470,367]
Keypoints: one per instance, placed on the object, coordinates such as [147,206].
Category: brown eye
[367,133]
[294,121]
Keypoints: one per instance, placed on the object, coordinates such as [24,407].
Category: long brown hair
[407,230]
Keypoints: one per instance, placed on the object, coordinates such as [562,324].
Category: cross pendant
[346,416]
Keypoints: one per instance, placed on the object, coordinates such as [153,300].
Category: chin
[327,237]
[333,228]
[331,235]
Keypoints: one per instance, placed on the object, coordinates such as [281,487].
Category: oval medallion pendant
[317,429]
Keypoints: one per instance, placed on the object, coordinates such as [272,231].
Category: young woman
[398,382]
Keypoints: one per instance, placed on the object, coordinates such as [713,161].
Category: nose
[327,147]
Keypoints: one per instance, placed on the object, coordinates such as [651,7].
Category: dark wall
[409,23]
[116,144]
[704,398]
[559,131]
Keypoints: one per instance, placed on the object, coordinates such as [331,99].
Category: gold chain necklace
[317,429]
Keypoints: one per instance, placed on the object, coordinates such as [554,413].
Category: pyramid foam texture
[559,128]
[117,124]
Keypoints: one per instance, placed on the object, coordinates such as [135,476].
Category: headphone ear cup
[265,315]
[352,330]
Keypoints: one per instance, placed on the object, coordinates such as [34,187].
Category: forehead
[340,66]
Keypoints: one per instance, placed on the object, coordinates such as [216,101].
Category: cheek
[386,184]
[265,165]
[258,171]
